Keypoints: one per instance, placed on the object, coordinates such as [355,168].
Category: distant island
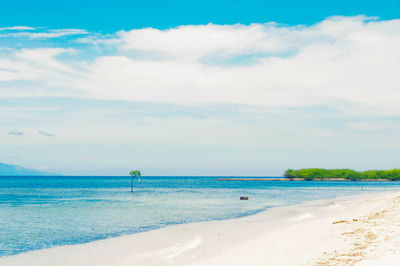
[15,170]
[310,174]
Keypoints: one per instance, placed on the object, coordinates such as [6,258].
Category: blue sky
[199,88]
[110,16]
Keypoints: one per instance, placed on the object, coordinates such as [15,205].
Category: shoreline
[303,179]
[277,235]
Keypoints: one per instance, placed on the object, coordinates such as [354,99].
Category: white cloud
[16,133]
[43,34]
[29,109]
[40,64]
[340,59]
[194,42]
[266,93]
[17,28]
[383,126]
[57,33]
[352,60]
[45,133]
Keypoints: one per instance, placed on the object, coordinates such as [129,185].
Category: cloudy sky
[250,91]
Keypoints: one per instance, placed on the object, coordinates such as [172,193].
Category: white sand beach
[358,230]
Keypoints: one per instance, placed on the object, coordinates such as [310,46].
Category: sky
[243,88]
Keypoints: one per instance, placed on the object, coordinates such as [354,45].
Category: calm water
[41,212]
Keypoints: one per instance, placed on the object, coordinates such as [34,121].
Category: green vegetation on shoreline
[342,174]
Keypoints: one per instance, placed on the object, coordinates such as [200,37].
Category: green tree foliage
[135,174]
[348,174]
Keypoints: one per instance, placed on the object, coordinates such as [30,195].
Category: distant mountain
[15,170]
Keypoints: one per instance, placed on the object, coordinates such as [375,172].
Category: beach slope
[361,229]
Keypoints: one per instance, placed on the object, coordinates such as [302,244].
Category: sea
[47,211]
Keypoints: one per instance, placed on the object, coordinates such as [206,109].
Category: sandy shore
[356,230]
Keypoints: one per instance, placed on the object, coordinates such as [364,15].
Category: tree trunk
[132,185]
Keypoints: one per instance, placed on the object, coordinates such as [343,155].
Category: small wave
[172,252]
[179,249]
[304,216]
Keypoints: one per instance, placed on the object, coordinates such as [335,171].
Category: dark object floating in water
[244,198]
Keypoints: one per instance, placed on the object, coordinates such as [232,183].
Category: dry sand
[357,230]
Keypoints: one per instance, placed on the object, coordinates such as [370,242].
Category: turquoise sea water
[42,212]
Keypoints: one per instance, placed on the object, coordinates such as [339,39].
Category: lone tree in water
[134,174]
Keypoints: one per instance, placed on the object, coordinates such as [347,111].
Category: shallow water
[41,212]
